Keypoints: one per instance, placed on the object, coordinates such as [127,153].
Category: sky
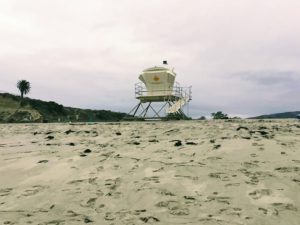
[241,57]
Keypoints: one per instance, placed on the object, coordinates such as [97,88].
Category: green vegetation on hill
[219,115]
[33,110]
[284,115]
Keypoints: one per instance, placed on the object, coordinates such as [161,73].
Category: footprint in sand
[164,204]
[8,222]
[71,213]
[174,207]
[99,168]
[179,211]
[263,210]
[75,181]
[276,207]
[114,194]
[34,190]
[154,179]
[231,211]
[55,222]
[139,211]
[256,176]
[116,167]
[92,180]
[232,185]
[89,203]
[5,191]
[129,217]
[165,192]
[220,199]
[109,216]
[87,220]
[252,164]
[219,175]
[288,169]
[259,193]
[279,206]
[43,161]
[136,166]
[296,180]
[149,219]
[269,211]
[113,183]
[49,137]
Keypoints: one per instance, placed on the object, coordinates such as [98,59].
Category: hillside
[284,115]
[33,110]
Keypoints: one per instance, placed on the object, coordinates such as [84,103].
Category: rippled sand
[193,172]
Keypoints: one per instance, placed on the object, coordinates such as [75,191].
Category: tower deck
[158,98]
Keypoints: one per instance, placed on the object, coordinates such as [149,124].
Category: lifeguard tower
[160,97]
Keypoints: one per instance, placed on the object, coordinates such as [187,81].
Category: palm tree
[24,87]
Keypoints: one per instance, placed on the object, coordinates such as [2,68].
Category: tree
[219,115]
[24,87]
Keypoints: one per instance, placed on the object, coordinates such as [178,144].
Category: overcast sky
[240,56]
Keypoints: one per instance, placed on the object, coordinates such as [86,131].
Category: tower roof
[155,68]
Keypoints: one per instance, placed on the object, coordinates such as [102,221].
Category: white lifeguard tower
[158,87]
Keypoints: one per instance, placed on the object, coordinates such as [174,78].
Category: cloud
[267,78]
[241,57]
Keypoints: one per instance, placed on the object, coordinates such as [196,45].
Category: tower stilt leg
[155,112]
[137,108]
[146,110]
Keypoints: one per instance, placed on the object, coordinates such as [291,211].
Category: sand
[186,172]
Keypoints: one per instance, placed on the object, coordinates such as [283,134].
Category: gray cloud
[282,78]
[241,57]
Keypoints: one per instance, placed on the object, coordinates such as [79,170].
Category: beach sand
[183,172]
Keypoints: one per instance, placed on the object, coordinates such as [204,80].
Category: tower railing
[177,91]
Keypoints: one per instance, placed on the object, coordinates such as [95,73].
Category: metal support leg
[162,107]
[155,112]
[137,107]
[149,105]
[142,114]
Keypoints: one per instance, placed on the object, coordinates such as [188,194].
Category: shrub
[219,115]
